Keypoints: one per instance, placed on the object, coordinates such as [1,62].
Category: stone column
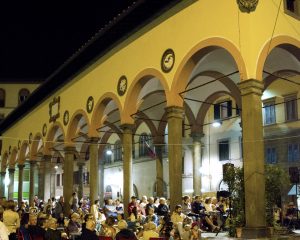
[68,177]
[11,183]
[101,186]
[127,165]
[20,186]
[175,117]
[94,169]
[159,167]
[2,185]
[197,162]
[253,156]
[80,165]
[31,181]
[42,172]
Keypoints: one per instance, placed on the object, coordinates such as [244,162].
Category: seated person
[290,215]
[110,209]
[108,229]
[89,232]
[34,230]
[124,232]
[151,217]
[74,225]
[52,233]
[150,231]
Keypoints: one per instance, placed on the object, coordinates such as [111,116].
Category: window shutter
[229,108]
[217,111]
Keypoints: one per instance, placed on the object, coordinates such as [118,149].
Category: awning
[293,190]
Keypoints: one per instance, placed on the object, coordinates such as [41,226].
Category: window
[86,178]
[118,151]
[291,108]
[107,154]
[23,95]
[271,155]
[222,110]
[76,178]
[292,8]
[293,152]
[2,97]
[269,113]
[143,145]
[58,180]
[223,150]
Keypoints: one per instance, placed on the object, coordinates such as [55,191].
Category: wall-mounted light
[56,167]
[217,124]
[108,152]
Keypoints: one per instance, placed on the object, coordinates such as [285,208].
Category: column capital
[94,140]
[197,136]
[21,166]
[11,170]
[80,164]
[32,162]
[175,112]
[251,86]
[127,128]
[47,158]
[70,149]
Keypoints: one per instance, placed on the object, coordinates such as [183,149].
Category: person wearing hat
[124,232]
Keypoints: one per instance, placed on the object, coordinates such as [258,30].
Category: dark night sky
[35,39]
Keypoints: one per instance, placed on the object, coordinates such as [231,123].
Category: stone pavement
[295,235]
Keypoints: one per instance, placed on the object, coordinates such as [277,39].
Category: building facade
[158,110]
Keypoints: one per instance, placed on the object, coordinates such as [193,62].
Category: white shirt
[3,231]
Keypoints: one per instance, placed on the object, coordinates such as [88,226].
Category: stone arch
[35,145]
[4,161]
[191,59]
[147,121]
[96,121]
[72,127]
[205,107]
[135,88]
[50,136]
[271,78]
[268,47]
[13,157]
[22,152]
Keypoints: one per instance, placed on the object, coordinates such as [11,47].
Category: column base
[255,232]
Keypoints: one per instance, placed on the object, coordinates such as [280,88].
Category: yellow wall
[181,29]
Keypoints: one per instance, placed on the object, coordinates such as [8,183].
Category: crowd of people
[147,218]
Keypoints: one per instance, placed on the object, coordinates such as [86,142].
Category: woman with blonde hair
[11,219]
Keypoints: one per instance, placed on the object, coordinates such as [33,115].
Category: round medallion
[44,131]
[122,85]
[66,117]
[167,60]
[30,138]
[90,104]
